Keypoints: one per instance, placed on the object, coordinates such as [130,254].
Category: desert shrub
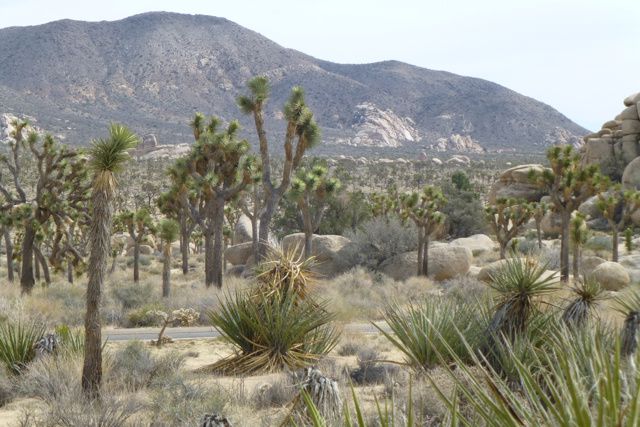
[464,289]
[431,331]
[370,370]
[349,348]
[143,316]
[276,394]
[133,295]
[183,403]
[59,303]
[71,340]
[362,294]
[134,366]
[145,261]
[377,240]
[17,341]
[6,388]
[464,212]
[599,243]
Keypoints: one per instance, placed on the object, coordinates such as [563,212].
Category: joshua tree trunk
[41,260]
[308,229]
[425,259]
[576,261]
[420,250]
[36,268]
[166,270]
[539,234]
[614,241]
[184,244]
[265,220]
[69,272]
[503,249]
[9,250]
[218,224]
[564,247]
[136,261]
[100,234]
[27,280]
[208,256]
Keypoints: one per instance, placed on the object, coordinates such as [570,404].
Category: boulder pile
[615,145]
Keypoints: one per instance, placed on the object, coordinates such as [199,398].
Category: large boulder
[515,183]
[631,175]
[238,254]
[144,250]
[478,243]
[551,224]
[589,263]
[630,127]
[632,99]
[445,262]
[242,232]
[631,263]
[611,276]
[487,272]
[324,248]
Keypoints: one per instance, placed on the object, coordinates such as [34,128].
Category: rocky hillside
[152,71]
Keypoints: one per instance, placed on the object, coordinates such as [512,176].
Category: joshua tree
[168,233]
[423,208]
[507,218]
[569,184]
[579,234]
[540,209]
[617,207]
[300,125]
[59,193]
[177,203]
[107,158]
[139,225]
[219,169]
[251,204]
[310,190]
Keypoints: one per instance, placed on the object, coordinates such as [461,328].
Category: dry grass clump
[371,370]
[360,294]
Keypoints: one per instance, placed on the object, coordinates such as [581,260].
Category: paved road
[199,332]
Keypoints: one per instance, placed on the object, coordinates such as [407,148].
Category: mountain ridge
[152,71]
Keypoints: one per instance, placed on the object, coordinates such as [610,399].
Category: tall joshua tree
[310,190]
[219,169]
[540,209]
[507,217]
[107,158]
[168,232]
[617,206]
[424,209]
[569,184]
[139,225]
[579,235]
[301,130]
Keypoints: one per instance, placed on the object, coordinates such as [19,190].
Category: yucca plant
[17,341]
[273,331]
[518,285]
[587,294]
[419,329]
[283,271]
[71,340]
[583,383]
[629,306]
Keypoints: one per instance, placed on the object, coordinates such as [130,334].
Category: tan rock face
[611,276]
[238,254]
[445,262]
[381,128]
[478,244]
[617,143]
[515,183]
[631,175]
[325,249]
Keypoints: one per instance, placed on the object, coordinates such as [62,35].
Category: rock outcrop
[478,244]
[457,142]
[445,262]
[515,183]
[375,127]
[325,248]
[616,144]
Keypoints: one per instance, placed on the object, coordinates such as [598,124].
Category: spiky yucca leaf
[418,329]
[285,270]
[273,331]
[17,344]
[587,295]
[629,305]
[518,284]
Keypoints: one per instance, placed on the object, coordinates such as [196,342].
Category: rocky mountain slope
[153,71]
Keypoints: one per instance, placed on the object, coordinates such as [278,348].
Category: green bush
[17,341]
[464,212]
[599,243]
[143,316]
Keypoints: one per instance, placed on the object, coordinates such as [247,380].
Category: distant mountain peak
[152,71]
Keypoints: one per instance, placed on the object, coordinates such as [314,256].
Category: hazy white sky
[580,56]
